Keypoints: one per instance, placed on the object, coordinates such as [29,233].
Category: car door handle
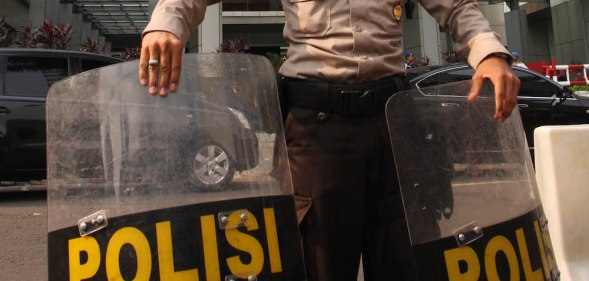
[521,105]
[4,110]
[450,104]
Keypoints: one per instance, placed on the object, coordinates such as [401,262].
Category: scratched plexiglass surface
[112,146]
[456,164]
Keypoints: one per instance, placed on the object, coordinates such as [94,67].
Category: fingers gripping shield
[195,185]
[468,186]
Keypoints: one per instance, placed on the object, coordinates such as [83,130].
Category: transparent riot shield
[192,186]
[472,205]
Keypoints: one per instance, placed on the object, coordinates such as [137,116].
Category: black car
[103,128]
[189,142]
[25,77]
[541,101]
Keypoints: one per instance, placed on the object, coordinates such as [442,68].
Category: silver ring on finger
[152,62]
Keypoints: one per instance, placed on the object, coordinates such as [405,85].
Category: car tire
[210,167]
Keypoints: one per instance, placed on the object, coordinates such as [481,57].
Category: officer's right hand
[505,82]
[165,48]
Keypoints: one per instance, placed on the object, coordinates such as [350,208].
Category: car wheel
[211,166]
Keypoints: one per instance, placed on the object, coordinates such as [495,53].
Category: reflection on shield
[192,185]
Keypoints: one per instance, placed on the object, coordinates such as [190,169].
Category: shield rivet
[224,219]
[477,229]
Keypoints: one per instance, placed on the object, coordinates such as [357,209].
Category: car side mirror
[568,93]
[561,96]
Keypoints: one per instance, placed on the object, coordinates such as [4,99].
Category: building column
[421,36]
[52,10]
[516,22]
[65,14]
[210,31]
[95,35]
[77,26]
[107,48]
[36,13]
[570,35]
[430,35]
[41,10]
[86,31]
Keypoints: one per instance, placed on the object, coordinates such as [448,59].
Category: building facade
[540,30]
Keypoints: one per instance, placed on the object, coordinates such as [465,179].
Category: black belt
[340,98]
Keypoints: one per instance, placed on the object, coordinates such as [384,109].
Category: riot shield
[471,202]
[192,186]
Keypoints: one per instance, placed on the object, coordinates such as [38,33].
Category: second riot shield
[471,202]
[192,186]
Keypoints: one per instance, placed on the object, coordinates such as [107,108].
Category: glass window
[535,86]
[454,75]
[92,64]
[32,77]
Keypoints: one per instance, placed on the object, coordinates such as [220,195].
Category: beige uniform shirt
[347,40]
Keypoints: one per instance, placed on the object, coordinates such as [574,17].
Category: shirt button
[356,28]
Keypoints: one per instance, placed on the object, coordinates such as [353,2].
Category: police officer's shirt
[347,40]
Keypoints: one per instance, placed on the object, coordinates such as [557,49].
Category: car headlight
[241,117]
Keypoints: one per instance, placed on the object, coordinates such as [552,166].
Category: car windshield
[448,76]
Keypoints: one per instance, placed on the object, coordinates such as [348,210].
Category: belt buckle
[357,101]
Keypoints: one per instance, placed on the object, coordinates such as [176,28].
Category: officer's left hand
[505,81]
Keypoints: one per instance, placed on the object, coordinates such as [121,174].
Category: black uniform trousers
[345,183]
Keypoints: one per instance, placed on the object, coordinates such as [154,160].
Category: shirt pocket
[308,18]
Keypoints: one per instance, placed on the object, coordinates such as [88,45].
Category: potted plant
[46,36]
[5,32]
[92,46]
[131,54]
[53,36]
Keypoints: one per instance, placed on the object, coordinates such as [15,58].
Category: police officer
[344,60]
[409,59]
[516,61]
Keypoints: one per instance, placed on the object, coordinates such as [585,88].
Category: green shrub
[577,88]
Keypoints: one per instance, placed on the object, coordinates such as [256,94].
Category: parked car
[541,101]
[189,143]
[25,77]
